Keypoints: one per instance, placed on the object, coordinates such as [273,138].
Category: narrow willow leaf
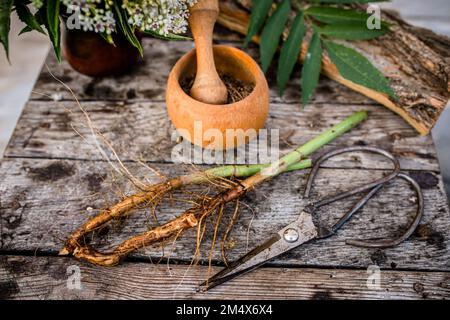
[355,67]
[108,38]
[25,30]
[271,34]
[28,18]
[346,1]
[311,68]
[5,23]
[125,28]
[351,31]
[336,15]
[53,25]
[260,10]
[290,52]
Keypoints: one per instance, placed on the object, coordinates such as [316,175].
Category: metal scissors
[305,228]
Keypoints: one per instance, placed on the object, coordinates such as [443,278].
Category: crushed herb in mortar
[237,89]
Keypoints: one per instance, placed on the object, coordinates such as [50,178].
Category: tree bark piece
[415,60]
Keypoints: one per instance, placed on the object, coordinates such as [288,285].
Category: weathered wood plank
[47,277]
[142,130]
[148,80]
[43,201]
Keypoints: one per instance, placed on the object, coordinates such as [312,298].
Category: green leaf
[170,36]
[25,30]
[126,29]
[52,24]
[108,38]
[5,23]
[333,15]
[311,68]
[355,67]
[336,15]
[260,10]
[290,51]
[271,34]
[351,31]
[347,1]
[28,18]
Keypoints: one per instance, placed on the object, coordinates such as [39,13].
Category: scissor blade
[288,238]
[244,264]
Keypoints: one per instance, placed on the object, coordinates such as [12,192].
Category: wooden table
[52,180]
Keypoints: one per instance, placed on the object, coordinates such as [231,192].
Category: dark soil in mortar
[237,89]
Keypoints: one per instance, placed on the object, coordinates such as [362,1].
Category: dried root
[76,240]
[196,215]
[189,219]
[201,208]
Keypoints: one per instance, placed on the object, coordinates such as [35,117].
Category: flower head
[160,16]
[163,17]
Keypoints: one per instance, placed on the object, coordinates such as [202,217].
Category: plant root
[117,211]
[195,216]
[202,207]
[232,222]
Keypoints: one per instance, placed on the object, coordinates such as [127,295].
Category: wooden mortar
[203,117]
[248,113]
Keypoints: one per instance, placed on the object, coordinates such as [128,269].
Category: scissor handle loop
[366,187]
[372,189]
[387,243]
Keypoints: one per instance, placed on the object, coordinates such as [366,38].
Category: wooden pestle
[207,87]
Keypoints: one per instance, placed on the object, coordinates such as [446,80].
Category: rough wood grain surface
[142,130]
[51,181]
[43,201]
[418,70]
[47,277]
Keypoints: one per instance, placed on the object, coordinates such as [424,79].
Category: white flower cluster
[160,16]
[92,15]
[163,17]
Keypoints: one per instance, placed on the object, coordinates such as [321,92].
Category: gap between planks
[143,131]
[205,262]
[200,166]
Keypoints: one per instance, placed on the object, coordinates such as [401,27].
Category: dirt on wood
[52,172]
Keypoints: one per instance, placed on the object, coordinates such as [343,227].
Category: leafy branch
[324,20]
[46,20]
[47,16]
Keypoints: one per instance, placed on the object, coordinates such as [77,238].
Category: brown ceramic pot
[89,54]
[248,113]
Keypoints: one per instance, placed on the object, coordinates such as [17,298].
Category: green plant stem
[305,150]
[239,171]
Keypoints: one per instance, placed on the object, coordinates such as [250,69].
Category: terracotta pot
[89,54]
[248,113]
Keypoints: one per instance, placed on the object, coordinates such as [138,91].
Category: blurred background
[28,53]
